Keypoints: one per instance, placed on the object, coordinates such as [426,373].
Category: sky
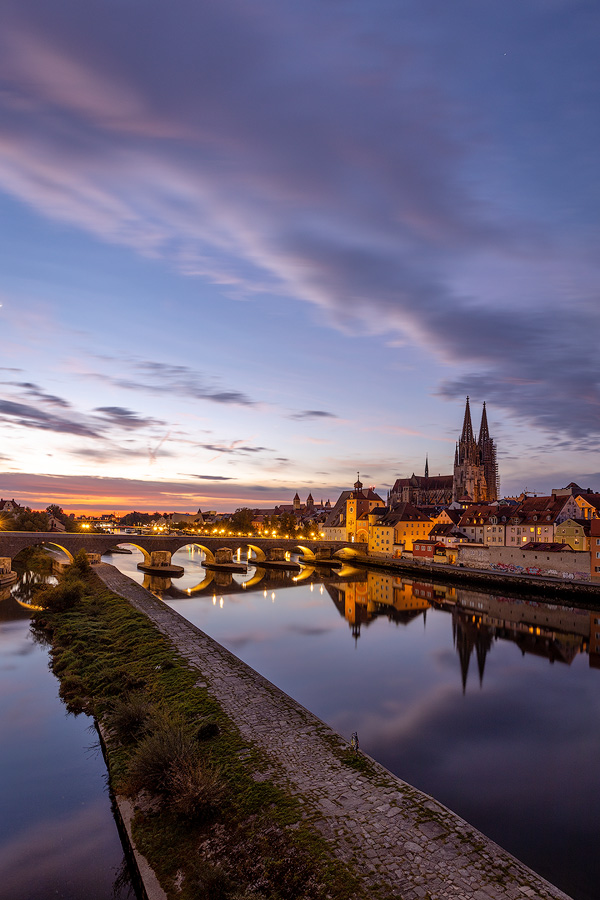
[252,247]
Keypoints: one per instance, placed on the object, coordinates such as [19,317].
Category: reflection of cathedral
[468,635]
[558,634]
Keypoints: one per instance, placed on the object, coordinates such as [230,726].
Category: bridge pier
[7,576]
[160,564]
[225,562]
[325,557]
[275,559]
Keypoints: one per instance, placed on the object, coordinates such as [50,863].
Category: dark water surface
[490,704]
[58,837]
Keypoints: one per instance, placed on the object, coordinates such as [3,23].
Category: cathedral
[475,476]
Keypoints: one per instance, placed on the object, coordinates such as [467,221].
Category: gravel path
[391,832]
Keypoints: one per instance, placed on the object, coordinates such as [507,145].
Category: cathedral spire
[484,431]
[426,466]
[467,432]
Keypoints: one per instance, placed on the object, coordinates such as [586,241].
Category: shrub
[62,596]
[167,762]
[130,717]
[158,754]
[195,789]
[80,565]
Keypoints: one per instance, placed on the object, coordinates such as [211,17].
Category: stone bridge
[157,549]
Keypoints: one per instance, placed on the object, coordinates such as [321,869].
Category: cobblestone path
[390,832]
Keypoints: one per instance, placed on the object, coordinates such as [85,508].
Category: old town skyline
[252,251]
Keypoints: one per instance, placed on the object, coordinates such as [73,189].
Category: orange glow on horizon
[81,504]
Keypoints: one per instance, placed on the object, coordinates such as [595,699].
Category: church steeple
[426,466]
[484,431]
[467,431]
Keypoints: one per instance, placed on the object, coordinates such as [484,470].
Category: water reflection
[489,703]
[57,833]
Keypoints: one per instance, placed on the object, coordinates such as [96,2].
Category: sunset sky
[251,248]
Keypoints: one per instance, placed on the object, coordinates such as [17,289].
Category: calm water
[489,704]
[58,837]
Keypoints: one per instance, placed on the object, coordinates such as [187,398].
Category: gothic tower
[475,467]
[487,449]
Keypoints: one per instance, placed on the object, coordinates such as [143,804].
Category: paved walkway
[388,830]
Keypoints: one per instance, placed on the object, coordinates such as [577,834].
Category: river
[58,837]
[491,704]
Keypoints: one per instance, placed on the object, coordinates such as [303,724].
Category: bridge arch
[308,555]
[346,553]
[260,553]
[142,550]
[209,555]
[54,545]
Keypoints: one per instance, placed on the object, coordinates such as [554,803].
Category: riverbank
[390,835]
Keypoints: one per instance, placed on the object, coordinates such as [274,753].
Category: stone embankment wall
[538,585]
[387,831]
[573,565]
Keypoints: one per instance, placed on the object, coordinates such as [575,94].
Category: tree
[309,529]
[138,518]
[241,520]
[288,523]
[30,520]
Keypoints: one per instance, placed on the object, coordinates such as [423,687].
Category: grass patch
[206,826]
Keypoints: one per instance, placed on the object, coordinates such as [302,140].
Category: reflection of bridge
[224,584]
[12,542]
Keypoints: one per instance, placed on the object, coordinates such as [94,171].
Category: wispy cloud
[208,477]
[234,447]
[38,393]
[31,417]
[313,414]
[125,418]
[162,378]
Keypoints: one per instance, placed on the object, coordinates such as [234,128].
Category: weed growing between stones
[204,824]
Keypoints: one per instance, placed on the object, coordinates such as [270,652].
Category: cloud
[235,447]
[162,378]
[33,390]
[30,417]
[391,193]
[209,477]
[125,418]
[78,424]
[313,414]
